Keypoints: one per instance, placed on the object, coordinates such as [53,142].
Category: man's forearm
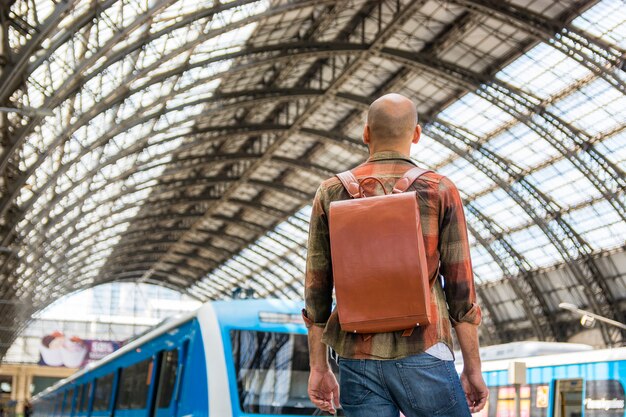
[467,334]
[318,352]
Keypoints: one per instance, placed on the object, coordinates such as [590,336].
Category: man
[382,374]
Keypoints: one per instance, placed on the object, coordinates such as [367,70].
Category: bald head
[391,119]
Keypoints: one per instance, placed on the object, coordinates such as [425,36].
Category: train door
[171,368]
[568,398]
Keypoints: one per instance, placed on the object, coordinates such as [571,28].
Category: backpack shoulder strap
[350,183]
[409,178]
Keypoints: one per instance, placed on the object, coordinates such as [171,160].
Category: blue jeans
[419,386]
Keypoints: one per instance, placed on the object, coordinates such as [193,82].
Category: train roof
[527,349]
[572,358]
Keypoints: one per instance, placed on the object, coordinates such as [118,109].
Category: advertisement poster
[57,349]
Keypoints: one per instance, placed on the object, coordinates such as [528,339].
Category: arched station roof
[180,143]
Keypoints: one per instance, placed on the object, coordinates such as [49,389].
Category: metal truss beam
[574,250]
[65,287]
[150,207]
[268,284]
[183,21]
[576,241]
[181,165]
[13,73]
[181,199]
[402,14]
[154,229]
[520,278]
[204,246]
[276,263]
[131,250]
[70,86]
[201,140]
[569,141]
[537,304]
[460,76]
[289,249]
[494,95]
[318,132]
[479,168]
[364,100]
[601,58]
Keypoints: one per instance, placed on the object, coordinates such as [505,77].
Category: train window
[167,378]
[83,404]
[79,396]
[67,402]
[604,398]
[102,395]
[272,371]
[134,384]
[501,402]
[506,400]
[58,402]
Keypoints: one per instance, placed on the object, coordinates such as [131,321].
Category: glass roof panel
[534,245]
[606,20]
[564,183]
[502,209]
[484,266]
[466,177]
[543,71]
[615,149]
[523,146]
[596,108]
[475,115]
[430,153]
[290,230]
[599,225]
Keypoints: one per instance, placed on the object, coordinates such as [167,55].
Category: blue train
[226,359]
[561,381]
[243,358]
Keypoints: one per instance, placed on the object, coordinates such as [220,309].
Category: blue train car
[230,358]
[587,383]
[244,358]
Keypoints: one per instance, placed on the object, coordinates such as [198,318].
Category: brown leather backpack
[378,258]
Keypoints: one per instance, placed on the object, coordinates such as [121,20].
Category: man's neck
[406,151]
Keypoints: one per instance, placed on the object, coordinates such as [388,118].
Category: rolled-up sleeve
[318,286]
[455,261]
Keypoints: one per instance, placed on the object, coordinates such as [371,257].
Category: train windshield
[272,372]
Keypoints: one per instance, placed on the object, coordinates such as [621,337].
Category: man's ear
[366,134]
[417,134]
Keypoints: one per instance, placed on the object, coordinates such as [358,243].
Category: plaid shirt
[447,255]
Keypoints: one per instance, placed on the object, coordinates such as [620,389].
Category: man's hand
[476,391]
[324,390]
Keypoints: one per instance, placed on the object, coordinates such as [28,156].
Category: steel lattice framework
[179,142]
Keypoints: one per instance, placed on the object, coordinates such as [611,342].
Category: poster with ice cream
[57,349]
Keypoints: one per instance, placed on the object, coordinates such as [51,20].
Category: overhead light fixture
[588,319]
